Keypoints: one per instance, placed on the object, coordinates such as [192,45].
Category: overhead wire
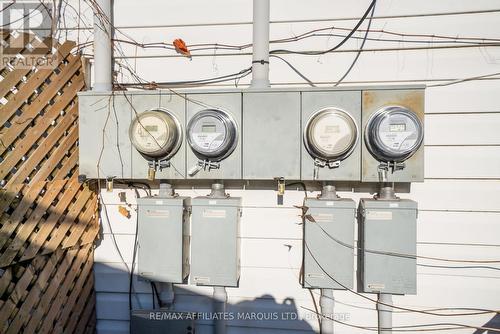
[346,38]
[360,47]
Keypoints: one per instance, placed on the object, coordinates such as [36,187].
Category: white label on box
[323,217]
[329,203]
[379,215]
[158,213]
[212,202]
[315,275]
[201,280]
[394,205]
[212,213]
[376,286]
[159,202]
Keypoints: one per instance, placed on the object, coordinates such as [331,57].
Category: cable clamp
[391,166]
[205,165]
[262,62]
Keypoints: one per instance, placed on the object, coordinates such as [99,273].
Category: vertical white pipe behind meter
[102,46]
[260,58]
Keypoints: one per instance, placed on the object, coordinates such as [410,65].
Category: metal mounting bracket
[205,165]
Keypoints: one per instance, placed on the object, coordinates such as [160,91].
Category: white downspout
[384,313]
[326,302]
[220,303]
[102,46]
[260,58]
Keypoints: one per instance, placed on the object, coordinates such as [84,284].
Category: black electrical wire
[409,256]
[455,267]
[229,77]
[317,53]
[360,47]
[152,294]
[134,251]
[394,306]
[294,69]
[157,294]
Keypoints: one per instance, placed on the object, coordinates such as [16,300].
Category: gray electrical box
[348,101]
[271,138]
[375,100]
[215,244]
[329,243]
[99,156]
[163,238]
[161,321]
[387,242]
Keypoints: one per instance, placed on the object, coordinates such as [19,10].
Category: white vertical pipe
[384,313]
[220,302]
[260,58]
[327,303]
[102,46]
[167,295]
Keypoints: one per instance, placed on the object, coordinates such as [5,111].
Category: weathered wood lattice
[48,221]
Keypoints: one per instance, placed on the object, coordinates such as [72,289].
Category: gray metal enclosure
[329,243]
[270,125]
[163,238]
[215,241]
[387,238]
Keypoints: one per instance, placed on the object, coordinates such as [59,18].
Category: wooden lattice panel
[51,294]
[48,221]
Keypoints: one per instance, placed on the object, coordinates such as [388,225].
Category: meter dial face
[213,134]
[156,133]
[394,134]
[330,134]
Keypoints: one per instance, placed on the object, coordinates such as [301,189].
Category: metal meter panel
[344,101]
[402,133]
[230,104]
[387,239]
[271,138]
[93,120]
[215,243]
[330,243]
[176,106]
[163,239]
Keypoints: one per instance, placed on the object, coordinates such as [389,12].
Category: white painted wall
[459,201]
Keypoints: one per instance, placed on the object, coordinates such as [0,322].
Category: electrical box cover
[373,100]
[348,101]
[215,244]
[271,139]
[387,244]
[163,238]
[329,243]
[161,321]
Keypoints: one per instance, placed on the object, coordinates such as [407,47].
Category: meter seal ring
[390,160]
[232,133]
[152,159]
[319,160]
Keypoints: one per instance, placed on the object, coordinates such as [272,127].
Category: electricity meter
[330,136]
[156,134]
[393,134]
[212,135]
